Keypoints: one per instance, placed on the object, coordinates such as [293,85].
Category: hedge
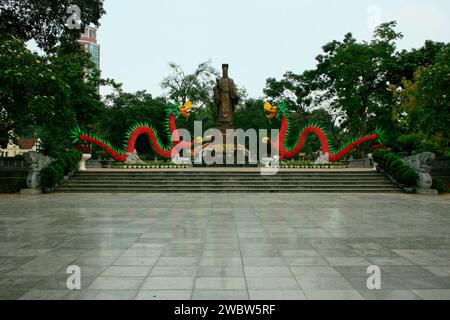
[392,164]
[440,185]
[55,171]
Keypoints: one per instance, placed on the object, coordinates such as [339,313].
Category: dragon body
[165,150]
[288,151]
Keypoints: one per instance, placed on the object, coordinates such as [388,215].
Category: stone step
[224,173]
[251,183]
[173,180]
[233,190]
[261,178]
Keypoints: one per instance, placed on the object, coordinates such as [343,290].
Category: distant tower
[88,41]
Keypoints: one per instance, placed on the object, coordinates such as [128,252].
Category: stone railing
[12,163]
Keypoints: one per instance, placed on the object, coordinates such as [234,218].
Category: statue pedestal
[31,192]
[428,192]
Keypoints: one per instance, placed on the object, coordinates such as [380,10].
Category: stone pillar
[36,162]
[422,163]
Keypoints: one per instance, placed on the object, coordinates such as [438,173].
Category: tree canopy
[45,20]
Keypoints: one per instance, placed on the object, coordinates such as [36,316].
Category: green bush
[439,185]
[71,160]
[392,164]
[50,176]
[55,171]
[447,153]
[409,177]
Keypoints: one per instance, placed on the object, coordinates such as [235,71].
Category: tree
[197,87]
[45,20]
[423,104]
[45,96]
[124,110]
[350,81]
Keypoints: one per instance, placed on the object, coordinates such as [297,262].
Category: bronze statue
[226,99]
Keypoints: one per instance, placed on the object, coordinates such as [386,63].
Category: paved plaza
[225,246]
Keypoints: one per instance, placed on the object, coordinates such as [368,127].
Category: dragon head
[270,110]
[185,109]
[274,111]
[180,109]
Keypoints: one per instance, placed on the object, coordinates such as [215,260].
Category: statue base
[31,192]
[225,155]
[428,192]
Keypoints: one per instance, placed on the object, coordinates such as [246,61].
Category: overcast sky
[258,38]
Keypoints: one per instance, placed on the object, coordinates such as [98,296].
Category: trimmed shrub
[50,176]
[54,172]
[392,164]
[409,177]
[439,185]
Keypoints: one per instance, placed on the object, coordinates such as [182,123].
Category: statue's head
[225,70]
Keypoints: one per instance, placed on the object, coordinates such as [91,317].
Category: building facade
[88,41]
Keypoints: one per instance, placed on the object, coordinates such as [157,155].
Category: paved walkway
[225,246]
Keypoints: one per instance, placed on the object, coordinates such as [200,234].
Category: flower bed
[312,165]
[149,165]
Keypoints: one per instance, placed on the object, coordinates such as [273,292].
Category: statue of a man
[226,99]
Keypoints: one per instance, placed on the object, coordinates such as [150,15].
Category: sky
[257,38]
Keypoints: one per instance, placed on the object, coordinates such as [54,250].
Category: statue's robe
[226,98]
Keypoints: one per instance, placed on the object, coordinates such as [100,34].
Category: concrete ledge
[428,192]
[31,192]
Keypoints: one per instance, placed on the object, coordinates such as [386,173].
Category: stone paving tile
[12,294]
[162,283]
[135,261]
[166,271]
[440,271]
[90,294]
[20,282]
[258,272]
[389,294]
[301,271]
[333,295]
[220,271]
[348,261]
[117,283]
[306,261]
[220,295]
[263,261]
[433,294]
[164,295]
[276,295]
[125,271]
[272,283]
[220,283]
[220,261]
[36,294]
[177,261]
[324,283]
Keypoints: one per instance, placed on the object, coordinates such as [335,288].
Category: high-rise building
[88,41]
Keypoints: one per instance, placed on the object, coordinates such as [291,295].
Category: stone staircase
[231,180]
